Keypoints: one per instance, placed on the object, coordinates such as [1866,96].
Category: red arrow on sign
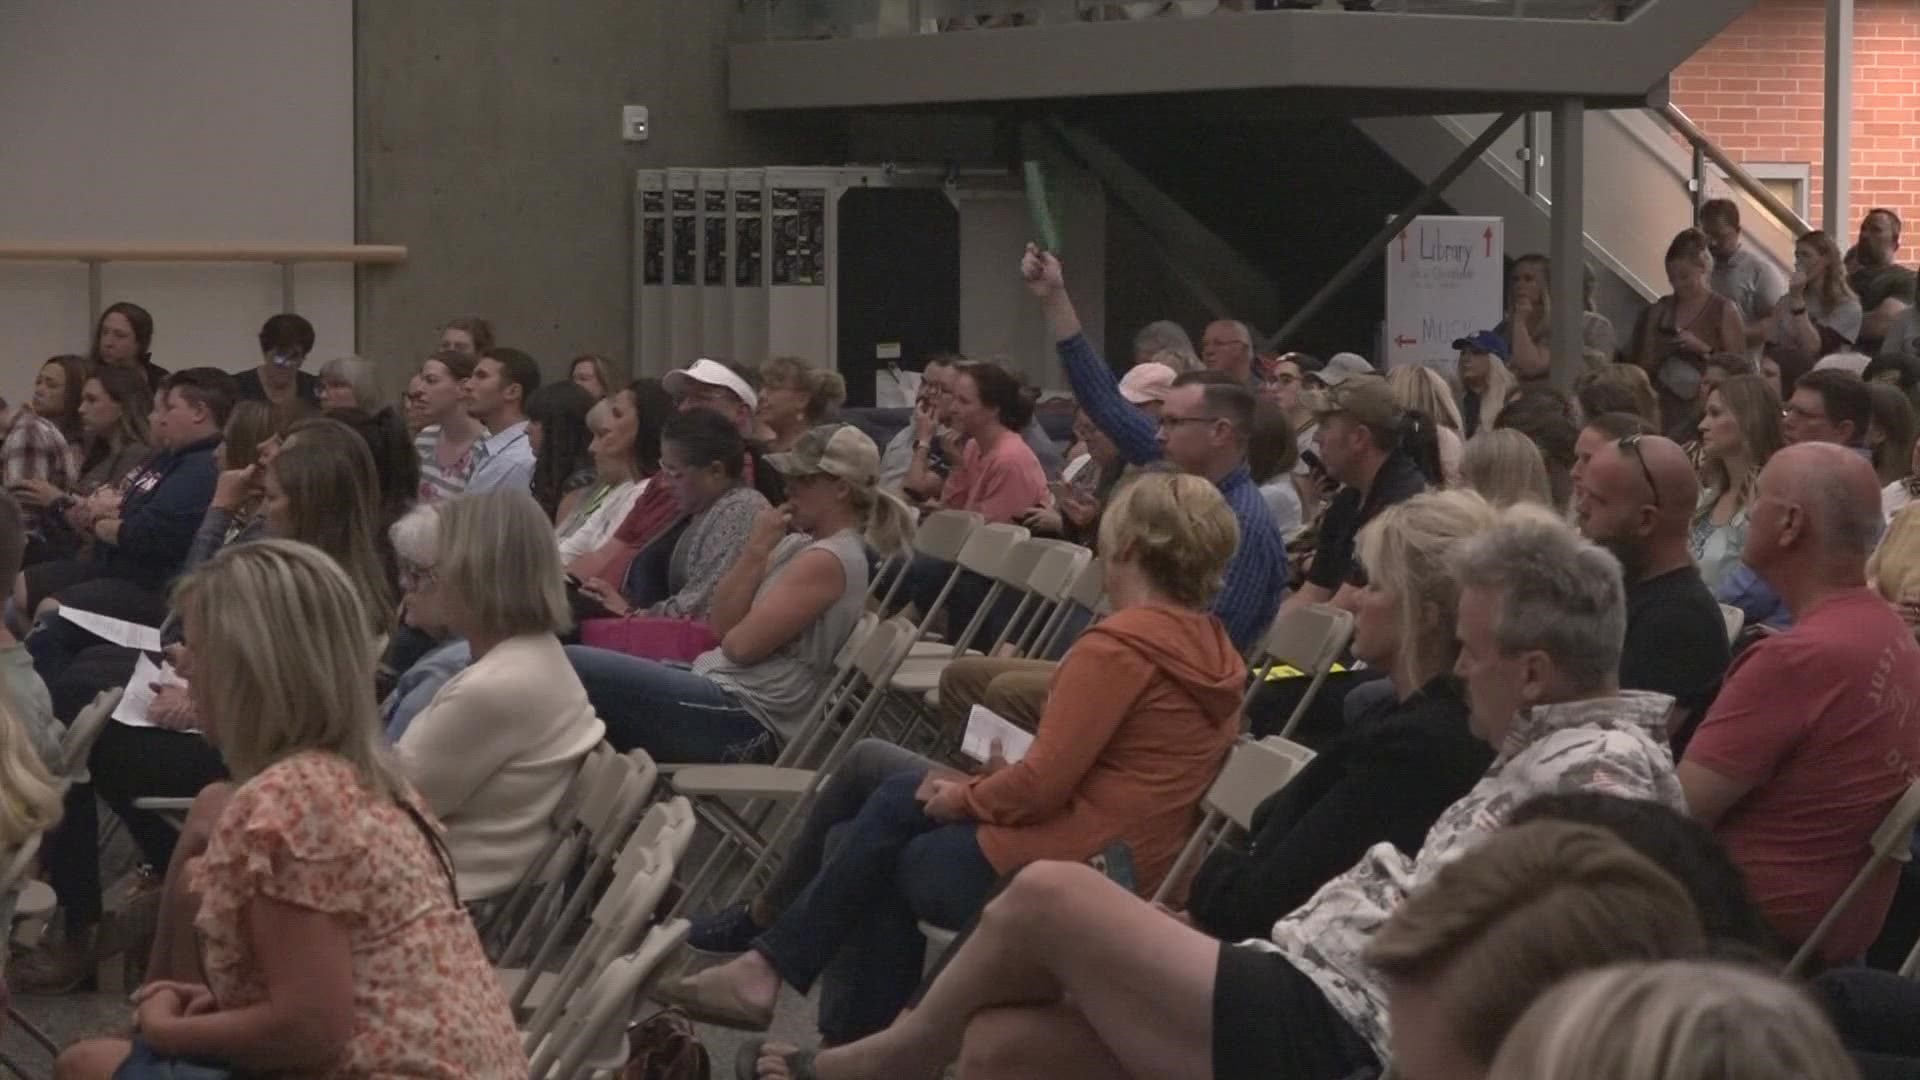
[1489,239]
[1403,340]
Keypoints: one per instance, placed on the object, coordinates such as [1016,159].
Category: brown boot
[63,967]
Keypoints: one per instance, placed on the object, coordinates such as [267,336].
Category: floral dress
[306,833]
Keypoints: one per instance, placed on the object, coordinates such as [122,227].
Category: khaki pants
[1015,689]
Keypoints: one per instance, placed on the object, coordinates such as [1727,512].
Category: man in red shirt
[1817,731]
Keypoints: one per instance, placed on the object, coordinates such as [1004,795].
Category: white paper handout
[138,697]
[984,726]
[117,631]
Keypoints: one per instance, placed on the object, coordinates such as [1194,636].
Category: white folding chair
[1892,842]
[587,1041]
[1735,619]
[940,535]
[563,822]
[573,876]
[640,880]
[14,866]
[1253,771]
[986,549]
[793,785]
[1309,639]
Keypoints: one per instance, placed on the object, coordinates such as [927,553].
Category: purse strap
[439,846]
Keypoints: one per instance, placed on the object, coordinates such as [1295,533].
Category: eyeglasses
[414,576]
[1790,411]
[1631,444]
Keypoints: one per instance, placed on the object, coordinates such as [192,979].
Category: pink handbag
[652,637]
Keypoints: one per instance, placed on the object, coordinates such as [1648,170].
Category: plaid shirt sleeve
[34,450]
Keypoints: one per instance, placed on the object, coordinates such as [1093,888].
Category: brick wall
[1758,90]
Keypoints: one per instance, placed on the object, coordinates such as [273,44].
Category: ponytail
[889,521]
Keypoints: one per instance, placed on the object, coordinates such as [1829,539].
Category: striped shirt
[444,482]
[1257,577]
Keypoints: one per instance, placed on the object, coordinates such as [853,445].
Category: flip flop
[706,1007]
[746,1063]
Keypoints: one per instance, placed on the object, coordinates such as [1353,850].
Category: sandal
[746,1063]
[705,1005]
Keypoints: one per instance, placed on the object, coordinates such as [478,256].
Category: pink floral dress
[306,833]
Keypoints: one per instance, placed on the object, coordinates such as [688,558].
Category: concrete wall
[129,121]
[489,142]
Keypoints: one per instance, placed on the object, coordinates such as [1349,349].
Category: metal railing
[803,20]
[287,256]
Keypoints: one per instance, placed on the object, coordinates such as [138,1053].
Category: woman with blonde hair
[1417,386]
[1398,763]
[1676,1020]
[781,610]
[1739,433]
[1818,314]
[796,397]
[325,881]
[495,749]
[1485,385]
[1140,713]
[594,374]
[1505,467]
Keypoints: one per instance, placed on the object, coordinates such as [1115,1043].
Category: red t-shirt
[1821,720]
[1000,484]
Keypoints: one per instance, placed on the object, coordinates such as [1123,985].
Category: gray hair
[357,373]
[416,536]
[1559,594]
[1156,337]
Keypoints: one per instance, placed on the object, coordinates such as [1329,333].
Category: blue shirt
[1257,577]
[508,462]
[419,683]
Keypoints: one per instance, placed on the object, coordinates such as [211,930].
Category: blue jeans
[870,763]
[671,713]
[860,915]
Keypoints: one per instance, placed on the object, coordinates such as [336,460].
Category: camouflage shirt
[1614,745]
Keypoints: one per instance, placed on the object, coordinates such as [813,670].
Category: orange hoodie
[1138,719]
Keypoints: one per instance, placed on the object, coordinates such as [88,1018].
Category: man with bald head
[1227,346]
[1817,732]
[1636,498]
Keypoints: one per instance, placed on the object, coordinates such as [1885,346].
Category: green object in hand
[1045,232]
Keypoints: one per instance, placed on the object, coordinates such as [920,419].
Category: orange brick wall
[1758,90]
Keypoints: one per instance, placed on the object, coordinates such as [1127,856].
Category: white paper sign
[116,631]
[984,727]
[139,694]
[894,388]
[1445,280]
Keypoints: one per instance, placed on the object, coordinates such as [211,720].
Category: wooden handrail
[285,256]
[263,253]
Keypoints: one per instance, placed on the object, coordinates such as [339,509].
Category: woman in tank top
[782,610]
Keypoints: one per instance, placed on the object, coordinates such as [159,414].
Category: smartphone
[572,581]
[1314,464]
[1060,490]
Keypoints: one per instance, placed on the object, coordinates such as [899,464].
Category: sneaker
[62,967]
[728,932]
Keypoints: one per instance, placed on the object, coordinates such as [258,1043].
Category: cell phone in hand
[1314,464]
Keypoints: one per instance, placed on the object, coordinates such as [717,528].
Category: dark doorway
[899,281]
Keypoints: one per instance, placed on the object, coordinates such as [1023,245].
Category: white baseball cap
[710,373]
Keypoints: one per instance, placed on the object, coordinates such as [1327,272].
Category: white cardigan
[493,753]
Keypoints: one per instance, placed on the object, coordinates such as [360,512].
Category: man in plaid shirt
[34,449]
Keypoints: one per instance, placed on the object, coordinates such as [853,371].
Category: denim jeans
[867,765]
[671,713]
[860,915]
[925,576]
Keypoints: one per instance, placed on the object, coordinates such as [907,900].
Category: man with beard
[1636,498]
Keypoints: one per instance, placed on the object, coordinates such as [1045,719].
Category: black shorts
[1271,1022]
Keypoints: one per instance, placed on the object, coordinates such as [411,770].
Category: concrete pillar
[1836,211]
[1568,247]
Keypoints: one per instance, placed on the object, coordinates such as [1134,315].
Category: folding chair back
[553,863]
[1735,619]
[588,1038]
[85,730]
[1252,772]
[615,926]
[940,535]
[616,795]
[1053,577]
[1085,593]
[1892,842]
[1309,639]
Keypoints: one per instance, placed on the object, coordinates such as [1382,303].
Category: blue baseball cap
[1485,341]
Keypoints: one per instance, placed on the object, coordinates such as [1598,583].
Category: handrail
[286,256]
[1736,173]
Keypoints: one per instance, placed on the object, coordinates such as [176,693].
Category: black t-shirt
[1399,479]
[1676,640]
[248,384]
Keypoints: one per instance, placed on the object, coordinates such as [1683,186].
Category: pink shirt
[1822,721]
[1000,483]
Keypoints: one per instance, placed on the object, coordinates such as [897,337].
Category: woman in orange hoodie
[1139,718]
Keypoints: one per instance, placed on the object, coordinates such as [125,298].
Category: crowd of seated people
[499,573]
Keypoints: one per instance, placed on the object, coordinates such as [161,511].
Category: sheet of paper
[984,726]
[138,697]
[117,631]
